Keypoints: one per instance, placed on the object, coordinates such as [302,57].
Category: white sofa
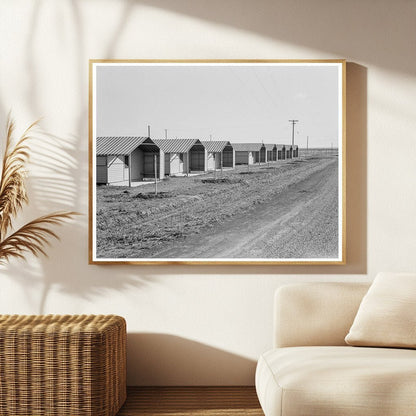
[312,371]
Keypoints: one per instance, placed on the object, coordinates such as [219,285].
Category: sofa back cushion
[315,313]
[387,314]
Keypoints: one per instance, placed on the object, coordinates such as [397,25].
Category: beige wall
[204,325]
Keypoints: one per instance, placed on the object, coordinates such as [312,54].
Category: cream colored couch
[311,371]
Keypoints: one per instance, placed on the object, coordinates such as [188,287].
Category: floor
[187,401]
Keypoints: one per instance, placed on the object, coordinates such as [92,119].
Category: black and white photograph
[217,162]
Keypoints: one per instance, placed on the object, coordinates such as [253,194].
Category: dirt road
[301,222]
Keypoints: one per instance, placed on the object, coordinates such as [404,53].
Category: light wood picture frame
[217,162]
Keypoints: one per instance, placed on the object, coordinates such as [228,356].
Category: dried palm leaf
[13,175]
[33,237]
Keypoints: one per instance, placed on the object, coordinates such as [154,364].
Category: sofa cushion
[335,381]
[386,316]
[315,314]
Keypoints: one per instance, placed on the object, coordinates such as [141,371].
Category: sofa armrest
[315,313]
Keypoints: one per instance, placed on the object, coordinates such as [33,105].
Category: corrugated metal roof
[269,146]
[175,145]
[215,145]
[118,145]
[247,147]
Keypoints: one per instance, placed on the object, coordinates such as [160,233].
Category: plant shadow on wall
[58,180]
[53,184]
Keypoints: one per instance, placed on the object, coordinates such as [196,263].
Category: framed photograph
[217,162]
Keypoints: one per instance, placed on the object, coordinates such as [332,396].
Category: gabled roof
[176,145]
[295,146]
[247,147]
[269,146]
[215,145]
[280,146]
[119,145]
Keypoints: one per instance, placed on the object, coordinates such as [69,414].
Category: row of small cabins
[123,160]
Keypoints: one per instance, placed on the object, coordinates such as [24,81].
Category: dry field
[287,209]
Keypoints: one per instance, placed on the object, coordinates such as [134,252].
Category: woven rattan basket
[71,365]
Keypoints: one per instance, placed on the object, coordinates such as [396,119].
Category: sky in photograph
[237,103]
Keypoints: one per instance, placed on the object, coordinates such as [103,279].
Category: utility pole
[293,130]
[148,131]
[155,167]
[221,161]
[129,159]
[166,133]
